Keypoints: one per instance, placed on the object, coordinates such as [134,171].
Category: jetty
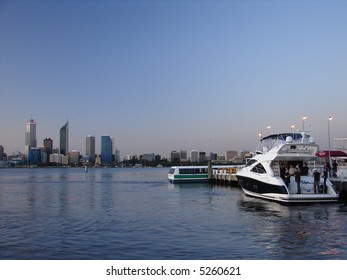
[224,175]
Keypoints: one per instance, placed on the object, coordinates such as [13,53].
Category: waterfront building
[148,157]
[30,136]
[175,157]
[2,152]
[56,158]
[194,156]
[230,155]
[64,139]
[117,156]
[106,149]
[213,156]
[90,148]
[74,157]
[48,146]
[183,156]
[202,157]
[34,156]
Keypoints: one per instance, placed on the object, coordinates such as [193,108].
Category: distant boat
[195,174]
[262,176]
[86,169]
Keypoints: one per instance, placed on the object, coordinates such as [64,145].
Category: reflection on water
[138,214]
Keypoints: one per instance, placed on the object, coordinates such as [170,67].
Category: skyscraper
[106,149]
[90,148]
[30,136]
[48,146]
[64,139]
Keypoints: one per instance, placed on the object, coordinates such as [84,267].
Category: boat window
[250,162]
[259,168]
[172,171]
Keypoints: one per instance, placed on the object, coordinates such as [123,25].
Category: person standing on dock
[335,165]
[316,180]
[287,177]
[297,179]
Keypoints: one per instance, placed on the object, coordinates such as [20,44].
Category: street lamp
[329,120]
[268,128]
[292,127]
[303,123]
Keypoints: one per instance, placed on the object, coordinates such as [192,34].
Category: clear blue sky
[168,75]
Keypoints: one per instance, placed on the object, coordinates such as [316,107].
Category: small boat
[196,174]
[263,175]
[86,168]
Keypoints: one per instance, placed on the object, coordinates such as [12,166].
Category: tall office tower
[48,146]
[194,156]
[1,153]
[106,149]
[90,148]
[64,139]
[30,136]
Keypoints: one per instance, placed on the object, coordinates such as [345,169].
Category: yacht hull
[278,193]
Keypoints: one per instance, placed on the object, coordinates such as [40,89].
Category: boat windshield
[274,140]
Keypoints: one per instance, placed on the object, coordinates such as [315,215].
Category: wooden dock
[223,175]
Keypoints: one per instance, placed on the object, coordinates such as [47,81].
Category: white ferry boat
[191,174]
[262,176]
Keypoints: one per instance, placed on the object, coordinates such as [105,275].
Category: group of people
[297,172]
[287,173]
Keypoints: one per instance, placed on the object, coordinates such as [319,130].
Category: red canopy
[333,153]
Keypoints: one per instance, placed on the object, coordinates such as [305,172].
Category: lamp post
[268,128]
[303,123]
[292,127]
[329,120]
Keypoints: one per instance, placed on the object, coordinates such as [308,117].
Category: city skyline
[172,75]
[108,149]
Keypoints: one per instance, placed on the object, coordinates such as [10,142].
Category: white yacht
[263,175]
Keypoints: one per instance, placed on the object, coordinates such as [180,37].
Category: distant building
[148,157]
[183,156]
[48,146]
[213,156]
[90,148]
[64,139]
[34,156]
[56,158]
[30,136]
[2,152]
[230,155]
[175,157]
[202,157]
[106,149]
[194,156]
[74,157]
[117,156]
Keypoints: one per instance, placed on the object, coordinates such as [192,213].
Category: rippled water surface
[137,214]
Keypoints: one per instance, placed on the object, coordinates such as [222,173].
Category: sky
[171,75]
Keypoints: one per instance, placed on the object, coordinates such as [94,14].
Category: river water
[66,213]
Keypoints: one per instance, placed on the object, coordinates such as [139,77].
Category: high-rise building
[90,148]
[2,153]
[106,149]
[34,156]
[48,146]
[30,136]
[64,139]
[194,156]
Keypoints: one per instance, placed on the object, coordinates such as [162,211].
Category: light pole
[268,128]
[292,127]
[329,120]
[303,123]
